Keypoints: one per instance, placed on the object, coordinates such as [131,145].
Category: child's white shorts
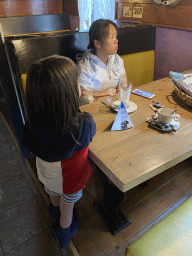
[68,198]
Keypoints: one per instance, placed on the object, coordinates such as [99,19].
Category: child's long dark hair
[52,95]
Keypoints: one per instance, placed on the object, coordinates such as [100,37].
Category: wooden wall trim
[184,2]
[71,7]
[30,7]
[123,23]
[135,1]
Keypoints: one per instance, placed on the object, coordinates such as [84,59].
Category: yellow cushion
[139,67]
[23,79]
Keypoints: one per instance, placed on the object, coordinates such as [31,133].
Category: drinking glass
[124,93]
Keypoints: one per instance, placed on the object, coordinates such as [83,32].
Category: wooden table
[131,157]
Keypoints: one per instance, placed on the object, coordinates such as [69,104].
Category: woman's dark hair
[52,94]
[99,31]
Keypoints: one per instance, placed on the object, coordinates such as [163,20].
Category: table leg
[115,220]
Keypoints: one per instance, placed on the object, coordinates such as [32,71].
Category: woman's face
[110,44]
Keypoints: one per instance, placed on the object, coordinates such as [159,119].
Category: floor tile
[21,223]
[5,149]
[43,244]
[3,137]
[14,191]
[30,179]
[1,249]
[44,207]
[9,167]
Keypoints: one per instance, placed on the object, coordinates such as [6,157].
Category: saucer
[130,109]
[173,126]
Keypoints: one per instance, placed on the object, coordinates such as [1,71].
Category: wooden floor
[144,207]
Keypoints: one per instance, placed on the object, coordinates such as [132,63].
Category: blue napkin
[175,75]
[122,120]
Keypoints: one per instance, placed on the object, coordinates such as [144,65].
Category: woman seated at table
[100,68]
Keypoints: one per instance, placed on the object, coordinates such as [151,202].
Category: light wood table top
[130,157]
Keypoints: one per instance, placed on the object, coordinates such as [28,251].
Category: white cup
[124,92]
[165,116]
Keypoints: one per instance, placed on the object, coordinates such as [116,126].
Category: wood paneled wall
[71,7]
[30,7]
[179,16]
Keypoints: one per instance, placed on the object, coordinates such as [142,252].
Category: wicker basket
[184,97]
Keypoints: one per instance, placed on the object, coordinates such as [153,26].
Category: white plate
[132,106]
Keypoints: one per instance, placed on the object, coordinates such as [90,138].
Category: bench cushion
[23,79]
[139,67]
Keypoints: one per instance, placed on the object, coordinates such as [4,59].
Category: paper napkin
[122,120]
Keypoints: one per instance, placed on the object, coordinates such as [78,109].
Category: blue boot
[63,235]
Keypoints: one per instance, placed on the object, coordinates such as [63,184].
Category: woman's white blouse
[97,79]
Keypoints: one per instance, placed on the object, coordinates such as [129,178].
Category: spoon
[172,127]
[173,112]
[110,107]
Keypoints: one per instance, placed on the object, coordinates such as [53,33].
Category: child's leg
[65,209]
[55,200]
[68,227]
[66,214]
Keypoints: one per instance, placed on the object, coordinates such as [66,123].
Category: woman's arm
[86,96]
[124,78]
[85,82]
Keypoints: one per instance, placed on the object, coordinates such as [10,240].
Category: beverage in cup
[167,115]
[124,93]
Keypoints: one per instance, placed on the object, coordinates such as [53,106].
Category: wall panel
[30,7]
[173,51]
[179,16]
[71,7]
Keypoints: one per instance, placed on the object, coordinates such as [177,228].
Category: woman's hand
[109,92]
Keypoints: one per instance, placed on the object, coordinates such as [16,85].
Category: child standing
[59,135]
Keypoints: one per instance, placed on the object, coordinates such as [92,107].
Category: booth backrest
[23,52]
[140,67]
[136,47]
[28,24]
[27,50]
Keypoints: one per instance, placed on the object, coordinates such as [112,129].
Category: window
[91,10]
